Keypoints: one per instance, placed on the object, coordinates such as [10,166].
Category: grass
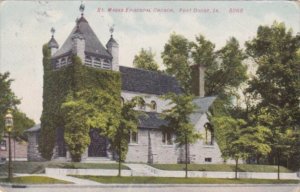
[222,167]
[172,180]
[39,167]
[35,180]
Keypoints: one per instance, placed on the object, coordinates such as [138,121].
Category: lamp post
[9,126]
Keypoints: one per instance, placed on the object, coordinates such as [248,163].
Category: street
[204,188]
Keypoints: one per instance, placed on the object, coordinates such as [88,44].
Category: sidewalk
[74,180]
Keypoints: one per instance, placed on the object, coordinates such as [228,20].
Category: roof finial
[111,30]
[81,8]
[52,31]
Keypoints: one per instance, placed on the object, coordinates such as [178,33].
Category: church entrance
[98,144]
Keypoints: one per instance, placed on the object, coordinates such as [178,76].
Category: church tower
[84,43]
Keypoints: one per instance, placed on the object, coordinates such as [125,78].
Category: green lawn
[172,180]
[35,180]
[39,167]
[222,167]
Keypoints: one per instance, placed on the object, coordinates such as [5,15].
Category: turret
[52,44]
[113,48]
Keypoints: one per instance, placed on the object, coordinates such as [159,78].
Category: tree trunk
[278,164]
[186,158]
[236,167]
[120,153]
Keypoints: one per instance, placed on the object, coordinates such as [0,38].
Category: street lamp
[9,123]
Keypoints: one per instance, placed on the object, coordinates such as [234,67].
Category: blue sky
[25,27]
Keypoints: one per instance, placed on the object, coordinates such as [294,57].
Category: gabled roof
[35,128]
[151,120]
[92,43]
[203,104]
[144,81]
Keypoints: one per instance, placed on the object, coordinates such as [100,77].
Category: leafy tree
[7,97]
[128,125]
[8,100]
[276,51]
[145,60]
[178,117]
[175,58]
[241,140]
[21,123]
[85,110]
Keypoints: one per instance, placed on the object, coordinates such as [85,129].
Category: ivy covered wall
[71,79]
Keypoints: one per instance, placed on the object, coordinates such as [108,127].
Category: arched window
[153,105]
[142,104]
[209,134]
[122,101]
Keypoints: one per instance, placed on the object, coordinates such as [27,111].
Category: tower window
[153,105]
[97,63]
[208,159]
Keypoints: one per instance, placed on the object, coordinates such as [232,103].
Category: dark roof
[92,43]
[53,43]
[35,128]
[151,120]
[144,81]
[111,41]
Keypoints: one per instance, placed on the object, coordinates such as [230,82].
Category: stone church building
[150,144]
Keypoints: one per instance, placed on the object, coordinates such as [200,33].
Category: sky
[25,27]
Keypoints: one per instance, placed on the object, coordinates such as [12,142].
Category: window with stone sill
[209,134]
[133,138]
[167,138]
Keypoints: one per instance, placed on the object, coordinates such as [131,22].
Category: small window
[167,138]
[122,101]
[133,137]
[142,104]
[208,159]
[3,145]
[209,134]
[153,105]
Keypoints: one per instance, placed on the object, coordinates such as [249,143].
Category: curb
[139,185]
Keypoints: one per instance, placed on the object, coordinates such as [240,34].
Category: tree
[276,51]
[239,140]
[175,58]
[8,100]
[145,60]
[21,124]
[178,118]
[85,110]
[128,125]
[7,97]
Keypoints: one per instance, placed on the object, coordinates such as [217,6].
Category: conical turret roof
[92,44]
[53,43]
